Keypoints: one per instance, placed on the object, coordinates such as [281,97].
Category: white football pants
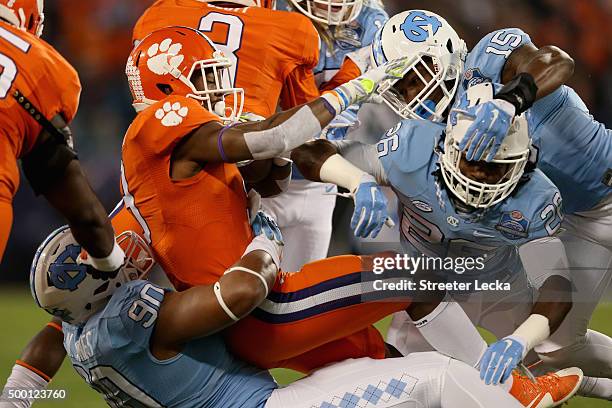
[422,380]
[304,215]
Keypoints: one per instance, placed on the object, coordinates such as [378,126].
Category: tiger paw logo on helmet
[164,58]
[171,114]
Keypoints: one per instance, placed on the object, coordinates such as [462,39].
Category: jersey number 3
[233,40]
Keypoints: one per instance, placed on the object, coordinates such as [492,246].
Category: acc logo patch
[422,205]
[415,26]
[472,77]
[513,225]
[67,275]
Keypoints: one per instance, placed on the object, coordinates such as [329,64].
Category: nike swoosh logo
[483,235]
[538,399]
[495,115]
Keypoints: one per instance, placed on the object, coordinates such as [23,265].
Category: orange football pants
[312,318]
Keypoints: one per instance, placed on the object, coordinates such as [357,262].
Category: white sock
[596,388]
[21,379]
[448,329]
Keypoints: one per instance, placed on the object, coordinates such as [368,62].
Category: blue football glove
[492,120]
[370,208]
[263,224]
[501,358]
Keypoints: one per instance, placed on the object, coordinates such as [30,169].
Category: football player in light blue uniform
[346,29]
[143,346]
[484,211]
[575,151]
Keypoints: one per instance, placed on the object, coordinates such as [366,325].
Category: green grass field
[24,320]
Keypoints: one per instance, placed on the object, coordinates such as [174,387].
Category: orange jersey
[197,227]
[270,49]
[42,75]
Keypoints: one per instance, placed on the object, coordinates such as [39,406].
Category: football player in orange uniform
[39,96]
[177,180]
[273,53]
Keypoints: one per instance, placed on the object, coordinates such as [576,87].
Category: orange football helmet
[26,14]
[182,61]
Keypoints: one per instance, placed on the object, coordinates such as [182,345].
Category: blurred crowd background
[95,36]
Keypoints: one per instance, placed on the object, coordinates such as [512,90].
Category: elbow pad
[293,132]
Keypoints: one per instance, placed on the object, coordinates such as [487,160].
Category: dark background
[94,35]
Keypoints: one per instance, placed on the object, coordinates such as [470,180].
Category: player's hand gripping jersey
[573,149]
[197,226]
[273,52]
[43,76]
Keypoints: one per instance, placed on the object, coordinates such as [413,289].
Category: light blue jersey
[574,150]
[432,225]
[112,353]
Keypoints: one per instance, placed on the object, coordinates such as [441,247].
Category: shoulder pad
[130,316]
[414,142]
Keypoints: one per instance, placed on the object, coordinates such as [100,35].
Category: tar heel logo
[65,273]
[418,26]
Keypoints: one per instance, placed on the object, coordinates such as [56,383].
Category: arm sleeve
[363,156]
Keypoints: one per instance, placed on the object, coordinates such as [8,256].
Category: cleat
[550,390]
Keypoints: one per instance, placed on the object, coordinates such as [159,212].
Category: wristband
[534,330]
[332,103]
[520,91]
[262,243]
[109,263]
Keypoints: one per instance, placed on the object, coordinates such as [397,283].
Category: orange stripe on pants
[270,345]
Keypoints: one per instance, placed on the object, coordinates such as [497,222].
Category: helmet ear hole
[165,88]
[101,288]
[449,46]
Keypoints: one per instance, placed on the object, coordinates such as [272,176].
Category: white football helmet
[435,48]
[67,289]
[514,152]
[330,12]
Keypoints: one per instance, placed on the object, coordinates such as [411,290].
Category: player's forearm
[310,157]
[45,352]
[204,310]
[280,133]
[554,301]
[86,216]
[550,68]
